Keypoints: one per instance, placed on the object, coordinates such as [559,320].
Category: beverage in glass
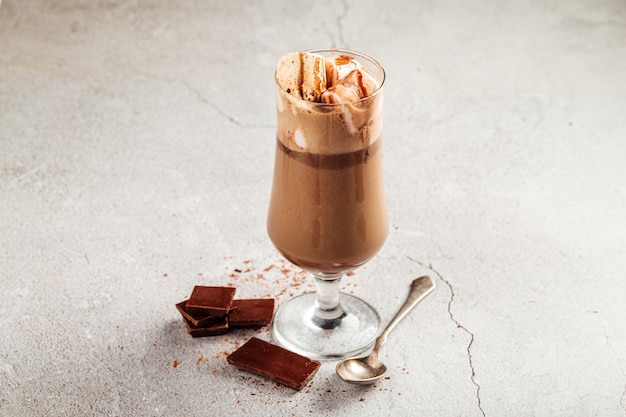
[327,210]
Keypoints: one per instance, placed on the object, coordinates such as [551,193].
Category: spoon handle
[420,288]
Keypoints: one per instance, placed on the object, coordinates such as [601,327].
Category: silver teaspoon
[369,369]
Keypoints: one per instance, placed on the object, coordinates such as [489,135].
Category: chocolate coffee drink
[327,208]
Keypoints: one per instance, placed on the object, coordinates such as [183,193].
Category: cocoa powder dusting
[343,60]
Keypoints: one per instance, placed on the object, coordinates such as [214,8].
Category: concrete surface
[136,150]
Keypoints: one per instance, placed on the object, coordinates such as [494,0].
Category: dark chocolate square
[214,301]
[251,312]
[274,362]
[215,329]
[198,320]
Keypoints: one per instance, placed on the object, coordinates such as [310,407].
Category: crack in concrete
[220,111]
[460,326]
[201,98]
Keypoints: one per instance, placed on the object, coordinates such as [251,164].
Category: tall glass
[327,214]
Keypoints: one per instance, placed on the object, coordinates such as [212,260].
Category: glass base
[297,328]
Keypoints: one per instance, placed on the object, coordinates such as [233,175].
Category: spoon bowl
[369,369]
[361,371]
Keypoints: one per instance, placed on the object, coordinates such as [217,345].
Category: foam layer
[354,123]
[328,128]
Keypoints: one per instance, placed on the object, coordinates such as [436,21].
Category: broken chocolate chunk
[251,312]
[214,301]
[198,320]
[214,329]
[274,362]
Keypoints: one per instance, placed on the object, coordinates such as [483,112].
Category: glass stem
[328,312]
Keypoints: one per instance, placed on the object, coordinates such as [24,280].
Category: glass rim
[354,53]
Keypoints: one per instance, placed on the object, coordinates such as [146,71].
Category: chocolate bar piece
[214,301]
[198,320]
[274,362]
[251,312]
[213,329]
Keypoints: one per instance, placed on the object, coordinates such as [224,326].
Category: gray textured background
[136,150]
